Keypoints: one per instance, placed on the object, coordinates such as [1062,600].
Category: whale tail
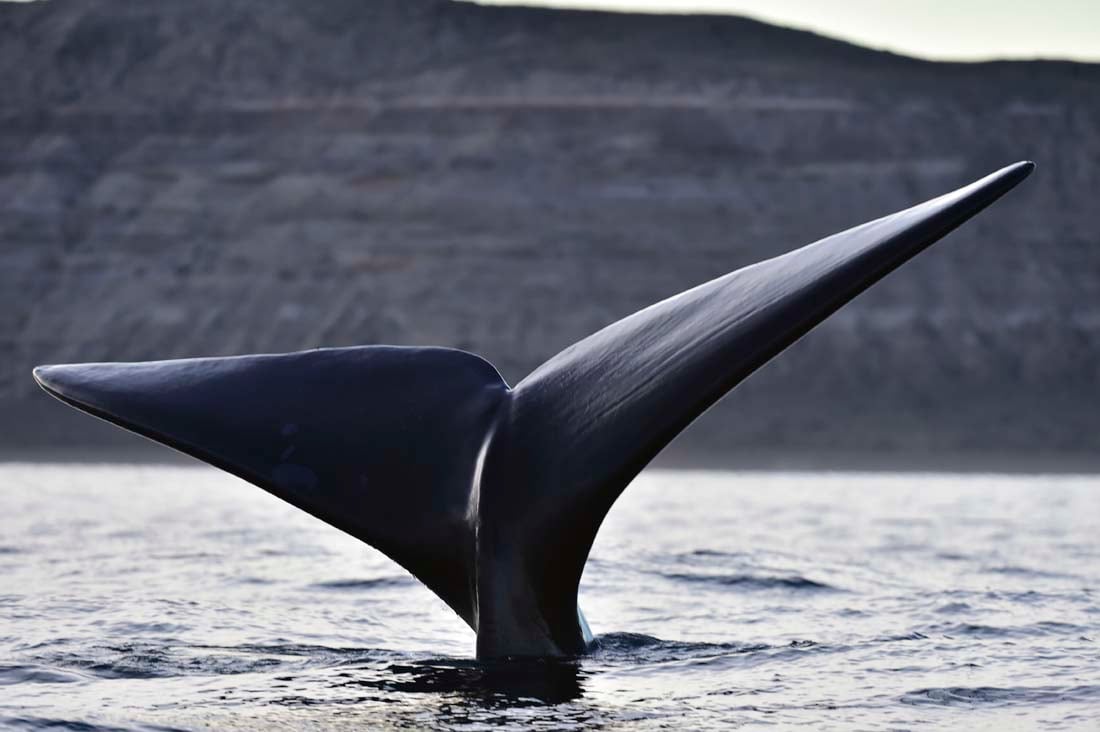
[377,441]
[490,495]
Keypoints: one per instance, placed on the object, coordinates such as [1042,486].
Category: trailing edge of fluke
[492,495]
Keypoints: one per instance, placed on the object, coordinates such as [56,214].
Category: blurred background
[218,177]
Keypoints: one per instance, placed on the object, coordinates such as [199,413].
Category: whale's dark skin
[492,495]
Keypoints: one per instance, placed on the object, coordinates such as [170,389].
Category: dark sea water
[146,598]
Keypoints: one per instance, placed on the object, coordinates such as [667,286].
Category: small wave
[362,584]
[75,726]
[16,674]
[716,554]
[952,608]
[637,648]
[974,630]
[1014,571]
[114,663]
[914,636]
[977,630]
[186,555]
[713,556]
[259,581]
[632,643]
[134,628]
[10,550]
[149,662]
[309,655]
[1026,597]
[754,581]
[996,696]
[1057,626]
[64,724]
[626,641]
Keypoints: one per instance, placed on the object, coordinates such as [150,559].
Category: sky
[966,30]
[961,30]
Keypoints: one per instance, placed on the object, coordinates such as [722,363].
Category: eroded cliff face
[198,178]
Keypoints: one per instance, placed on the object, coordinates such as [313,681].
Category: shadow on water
[448,694]
[464,689]
[492,685]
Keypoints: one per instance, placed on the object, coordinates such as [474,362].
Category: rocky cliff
[225,176]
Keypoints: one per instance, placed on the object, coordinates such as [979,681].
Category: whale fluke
[490,495]
[377,441]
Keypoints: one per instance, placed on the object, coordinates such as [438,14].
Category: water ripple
[753,581]
[1029,573]
[988,695]
[769,593]
[363,584]
[20,674]
[148,661]
[40,723]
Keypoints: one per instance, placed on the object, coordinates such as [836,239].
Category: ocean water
[152,597]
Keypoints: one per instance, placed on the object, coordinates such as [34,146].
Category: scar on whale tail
[492,495]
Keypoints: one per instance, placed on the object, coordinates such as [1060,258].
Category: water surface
[152,597]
